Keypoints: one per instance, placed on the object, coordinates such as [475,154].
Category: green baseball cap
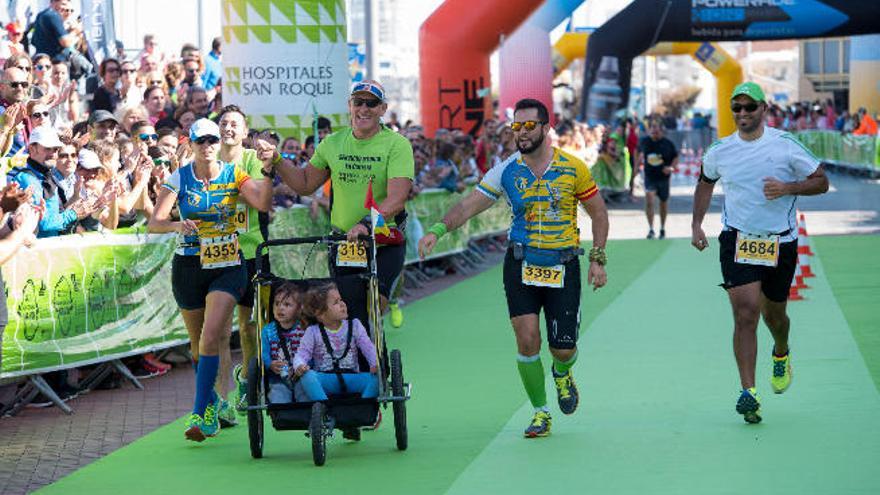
[750,89]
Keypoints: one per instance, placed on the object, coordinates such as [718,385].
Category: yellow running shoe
[780,380]
[396,315]
[540,426]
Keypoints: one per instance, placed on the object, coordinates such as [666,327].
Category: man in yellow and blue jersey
[543,186]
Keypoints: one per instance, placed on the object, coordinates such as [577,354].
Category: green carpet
[852,265]
[658,385]
[459,353]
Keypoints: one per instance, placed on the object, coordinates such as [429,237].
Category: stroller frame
[319,419]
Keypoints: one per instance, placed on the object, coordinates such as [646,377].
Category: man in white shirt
[763,171]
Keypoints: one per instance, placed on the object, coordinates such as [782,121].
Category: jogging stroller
[319,419]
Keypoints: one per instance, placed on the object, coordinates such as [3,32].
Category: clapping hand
[12,196]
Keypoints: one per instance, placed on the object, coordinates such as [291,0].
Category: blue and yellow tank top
[213,204]
[544,209]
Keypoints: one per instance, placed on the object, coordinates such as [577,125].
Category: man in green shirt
[351,158]
[233,130]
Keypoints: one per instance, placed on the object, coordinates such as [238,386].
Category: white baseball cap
[202,128]
[88,159]
[46,137]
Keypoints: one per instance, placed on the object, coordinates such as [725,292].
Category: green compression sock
[531,371]
[561,367]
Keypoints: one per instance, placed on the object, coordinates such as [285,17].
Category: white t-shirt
[742,166]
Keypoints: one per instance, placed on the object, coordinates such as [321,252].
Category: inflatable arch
[727,71]
[455,44]
[525,56]
[644,23]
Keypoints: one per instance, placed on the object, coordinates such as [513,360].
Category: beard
[529,148]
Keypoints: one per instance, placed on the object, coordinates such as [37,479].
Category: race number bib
[219,252]
[654,159]
[757,250]
[543,276]
[351,254]
[242,218]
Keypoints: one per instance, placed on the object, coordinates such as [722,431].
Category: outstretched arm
[472,205]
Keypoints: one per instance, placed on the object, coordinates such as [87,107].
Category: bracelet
[439,229]
[276,159]
[598,255]
[270,174]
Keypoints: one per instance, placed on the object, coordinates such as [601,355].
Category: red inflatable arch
[455,44]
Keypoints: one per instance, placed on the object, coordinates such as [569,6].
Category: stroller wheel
[316,432]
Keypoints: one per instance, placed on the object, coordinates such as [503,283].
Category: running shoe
[651,234]
[662,234]
[353,434]
[540,426]
[239,394]
[749,405]
[211,423]
[226,414]
[194,428]
[781,378]
[566,392]
[396,315]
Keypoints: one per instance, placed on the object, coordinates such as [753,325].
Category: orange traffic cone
[799,278]
[803,237]
[793,294]
[804,265]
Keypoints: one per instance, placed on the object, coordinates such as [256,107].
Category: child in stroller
[281,338]
[328,345]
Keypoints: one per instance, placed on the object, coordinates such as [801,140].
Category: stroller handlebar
[292,241]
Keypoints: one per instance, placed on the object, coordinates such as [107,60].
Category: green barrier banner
[81,299]
[860,151]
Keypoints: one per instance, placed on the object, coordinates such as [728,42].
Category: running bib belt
[757,250]
[543,276]
[219,252]
[351,254]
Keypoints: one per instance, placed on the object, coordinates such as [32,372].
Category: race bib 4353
[219,252]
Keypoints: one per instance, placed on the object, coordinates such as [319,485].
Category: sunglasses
[369,102]
[748,107]
[207,140]
[39,115]
[18,84]
[528,125]
[145,137]
[157,82]
[128,71]
[42,67]
[288,156]
[26,68]
[66,155]
[163,162]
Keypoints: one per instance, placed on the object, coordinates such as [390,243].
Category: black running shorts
[775,281]
[389,265]
[561,306]
[190,283]
[660,186]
